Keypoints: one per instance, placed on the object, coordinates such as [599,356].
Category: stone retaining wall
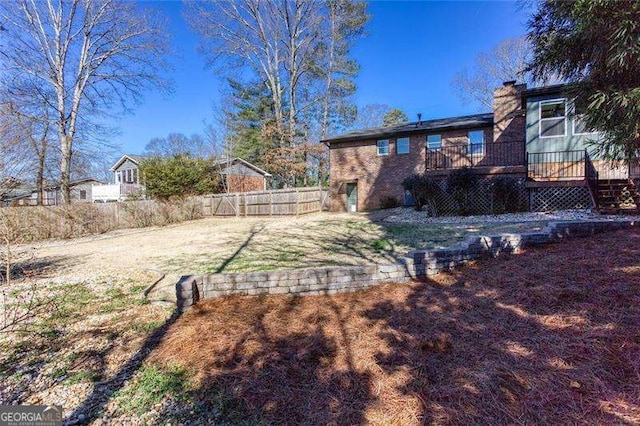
[417,265]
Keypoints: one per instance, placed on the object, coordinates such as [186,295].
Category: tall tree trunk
[40,180]
[324,126]
[65,169]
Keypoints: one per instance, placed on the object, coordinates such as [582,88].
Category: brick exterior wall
[239,183]
[509,120]
[381,176]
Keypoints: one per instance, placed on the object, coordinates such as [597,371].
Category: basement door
[352,197]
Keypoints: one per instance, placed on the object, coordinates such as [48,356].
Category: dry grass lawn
[215,245]
[548,337]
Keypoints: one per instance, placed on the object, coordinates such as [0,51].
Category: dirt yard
[247,244]
[550,336]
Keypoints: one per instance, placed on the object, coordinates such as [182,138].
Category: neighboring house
[127,180]
[533,135]
[241,176]
[80,192]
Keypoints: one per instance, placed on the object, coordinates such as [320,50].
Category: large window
[402,146]
[434,142]
[476,141]
[553,119]
[383,147]
[579,127]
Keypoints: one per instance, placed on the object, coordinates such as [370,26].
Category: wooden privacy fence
[278,202]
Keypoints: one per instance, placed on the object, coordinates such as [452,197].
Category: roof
[545,90]
[133,157]
[462,122]
[225,163]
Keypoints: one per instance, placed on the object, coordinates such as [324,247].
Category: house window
[383,147]
[83,194]
[579,126]
[553,120]
[476,141]
[402,146]
[135,175]
[434,142]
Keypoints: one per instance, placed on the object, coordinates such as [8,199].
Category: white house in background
[126,178]
[80,191]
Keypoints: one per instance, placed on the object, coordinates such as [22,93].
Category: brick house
[241,176]
[533,135]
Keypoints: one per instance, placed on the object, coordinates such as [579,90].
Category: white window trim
[378,147]
[573,125]
[408,146]
[427,142]
[549,101]
[470,144]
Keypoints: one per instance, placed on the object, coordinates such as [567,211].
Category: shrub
[389,202]
[504,192]
[178,177]
[461,183]
[422,189]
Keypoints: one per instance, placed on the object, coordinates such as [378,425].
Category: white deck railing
[114,192]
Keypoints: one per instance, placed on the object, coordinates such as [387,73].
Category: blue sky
[408,59]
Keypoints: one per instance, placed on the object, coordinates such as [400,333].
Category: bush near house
[389,202]
[179,176]
[504,192]
[422,189]
[461,183]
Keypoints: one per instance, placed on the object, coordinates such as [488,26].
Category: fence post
[237,205]
[319,198]
[270,204]
[246,205]
[297,202]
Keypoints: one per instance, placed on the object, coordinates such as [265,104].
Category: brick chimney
[508,116]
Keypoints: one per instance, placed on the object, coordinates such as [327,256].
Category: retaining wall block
[245,285]
[308,281]
[225,285]
[389,267]
[278,290]
[216,278]
[257,276]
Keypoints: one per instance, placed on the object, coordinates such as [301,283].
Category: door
[352,197]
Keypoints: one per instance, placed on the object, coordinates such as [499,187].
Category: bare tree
[86,58]
[178,143]
[299,49]
[31,128]
[14,159]
[506,61]
[371,115]
[345,22]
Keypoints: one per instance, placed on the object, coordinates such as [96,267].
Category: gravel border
[409,215]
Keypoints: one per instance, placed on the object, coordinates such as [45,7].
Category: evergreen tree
[596,45]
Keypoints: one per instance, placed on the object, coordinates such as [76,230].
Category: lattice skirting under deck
[480,201]
[560,198]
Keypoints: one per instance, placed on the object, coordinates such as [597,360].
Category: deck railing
[557,165]
[495,154]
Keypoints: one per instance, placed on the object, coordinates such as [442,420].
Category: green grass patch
[146,327]
[150,386]
[83,376]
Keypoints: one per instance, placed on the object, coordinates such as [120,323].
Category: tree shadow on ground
[547,337]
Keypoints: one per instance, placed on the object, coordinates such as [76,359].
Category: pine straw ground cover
[550,336]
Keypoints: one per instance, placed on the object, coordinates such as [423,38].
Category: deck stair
[618,196]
